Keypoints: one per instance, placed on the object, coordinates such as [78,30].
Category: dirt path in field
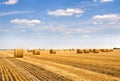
[71,72]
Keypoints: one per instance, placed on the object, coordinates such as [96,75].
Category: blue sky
[59,23]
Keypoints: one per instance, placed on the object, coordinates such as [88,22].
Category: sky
[59,24]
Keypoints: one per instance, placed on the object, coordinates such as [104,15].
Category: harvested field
[60,67]
[38,72]
[59,40]
[11,71]
[94,65]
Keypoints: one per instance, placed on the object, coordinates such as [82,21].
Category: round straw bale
[95,50]
[73,49]
[18,53]
[91,50]
[102,50]
[109,50]
[86,50]
[105,50]
[70,49]
[30,50]
[36,52]
[79,51]
[52,51]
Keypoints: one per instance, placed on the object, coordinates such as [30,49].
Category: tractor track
[12,73]
[40,73]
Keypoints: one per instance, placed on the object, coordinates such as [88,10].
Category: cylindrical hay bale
[63,49]
[91,50]
[79,51]
[36,52]
[52,51]
[70,49]
[95,50]
[18,53]
[106,50]
[86,50]
[102,50]
[73,49]
[109,50]
[30,50]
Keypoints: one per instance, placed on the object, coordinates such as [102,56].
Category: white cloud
[103,1]
[96,23]
[86,36]
[94,0]
[67,12]
[107,17]
[106,0]
[26,22]
[114,23]
[10,2]
[22,30]
[14,13]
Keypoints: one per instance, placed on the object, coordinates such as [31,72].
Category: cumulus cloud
[14,13]
[104,1]
[94,0]
[68,12]
[107,17]
[10,2]
[86,36]
[26,22]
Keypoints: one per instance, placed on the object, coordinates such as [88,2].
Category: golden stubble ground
[63,66]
